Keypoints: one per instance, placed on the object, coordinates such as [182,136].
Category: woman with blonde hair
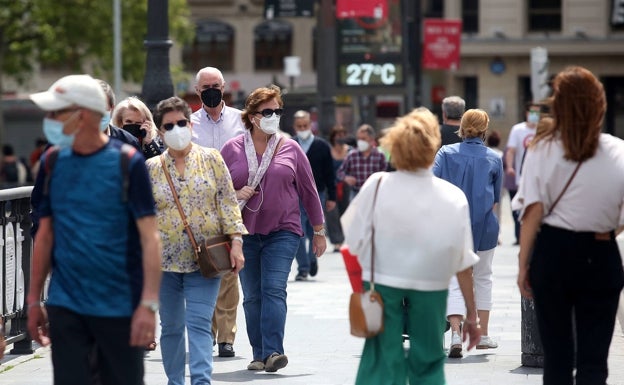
[133,116]
[570,200]
[421,241]
[478,171]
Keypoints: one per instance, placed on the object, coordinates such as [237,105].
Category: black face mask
[135,130]
[211,97]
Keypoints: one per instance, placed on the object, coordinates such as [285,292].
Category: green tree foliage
[79,32]
[18,38]
[67,34]
[77,36]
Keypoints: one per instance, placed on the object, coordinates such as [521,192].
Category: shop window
[435,9]
[544,15]
[272,42]
[617,15]
[470,16]
[213,47]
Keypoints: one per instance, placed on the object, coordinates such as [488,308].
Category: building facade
[242,39]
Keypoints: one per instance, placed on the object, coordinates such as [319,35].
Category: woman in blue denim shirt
[478,171]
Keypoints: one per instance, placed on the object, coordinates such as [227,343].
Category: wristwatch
[238,239]
[321,232]
[152,306]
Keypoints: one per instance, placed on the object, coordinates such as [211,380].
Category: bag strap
[372,280]
[127,152]
[180,209]
[564,188]
[52,154]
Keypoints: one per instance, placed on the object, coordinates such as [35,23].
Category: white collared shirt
[214,134]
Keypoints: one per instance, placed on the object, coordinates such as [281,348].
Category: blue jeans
[187,301]
[305,256]
[268,259]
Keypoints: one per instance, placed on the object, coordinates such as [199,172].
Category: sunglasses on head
[268,112]
[169,126]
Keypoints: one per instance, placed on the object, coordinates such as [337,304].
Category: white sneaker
[486,343]
[456,346]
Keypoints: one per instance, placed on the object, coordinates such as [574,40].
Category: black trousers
[575,275]
[75,337]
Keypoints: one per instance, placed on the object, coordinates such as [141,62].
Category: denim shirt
[478,171]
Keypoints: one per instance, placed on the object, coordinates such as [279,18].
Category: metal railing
[15,265]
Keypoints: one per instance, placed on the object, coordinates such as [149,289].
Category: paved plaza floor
[322,352]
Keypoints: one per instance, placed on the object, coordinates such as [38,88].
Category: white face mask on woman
[178,137]
[270,125]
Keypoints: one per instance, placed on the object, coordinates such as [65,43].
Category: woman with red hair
[571,196]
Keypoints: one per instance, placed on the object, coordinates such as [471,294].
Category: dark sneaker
[313,269]
[275,362]
[226,350]
[301,277]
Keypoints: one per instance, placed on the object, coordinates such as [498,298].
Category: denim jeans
[268,259]
[305,256]
[187,301]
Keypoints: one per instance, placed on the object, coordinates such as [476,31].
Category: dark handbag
[366,309]
[213,255]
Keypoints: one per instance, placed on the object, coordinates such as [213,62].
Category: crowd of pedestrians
[234,172]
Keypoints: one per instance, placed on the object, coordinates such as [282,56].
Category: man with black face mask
[213,125]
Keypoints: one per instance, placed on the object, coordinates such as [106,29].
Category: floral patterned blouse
[208,198]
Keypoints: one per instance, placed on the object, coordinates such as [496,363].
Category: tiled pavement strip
[321,351]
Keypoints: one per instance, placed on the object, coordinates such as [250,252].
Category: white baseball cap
[79,90]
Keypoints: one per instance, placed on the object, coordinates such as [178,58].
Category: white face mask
[305,134]
[270,125]
[178,138]
[362,145]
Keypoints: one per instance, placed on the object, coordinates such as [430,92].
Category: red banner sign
[377,9]
[442,42]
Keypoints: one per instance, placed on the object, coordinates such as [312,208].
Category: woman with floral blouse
[204,187]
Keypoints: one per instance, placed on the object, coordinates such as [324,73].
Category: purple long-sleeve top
[287,181]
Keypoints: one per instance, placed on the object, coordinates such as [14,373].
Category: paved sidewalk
[321,351]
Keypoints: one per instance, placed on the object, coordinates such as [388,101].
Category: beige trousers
[224,318]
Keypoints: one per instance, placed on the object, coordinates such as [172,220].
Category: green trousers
[384,359]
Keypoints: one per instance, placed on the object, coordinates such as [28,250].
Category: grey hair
[301,114]
[108,91]
[368,130]
[209,70]
[453,107]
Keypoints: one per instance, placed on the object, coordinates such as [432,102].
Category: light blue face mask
[53,131]
[533,117]
[105,120]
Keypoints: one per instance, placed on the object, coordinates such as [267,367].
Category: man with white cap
[98,238]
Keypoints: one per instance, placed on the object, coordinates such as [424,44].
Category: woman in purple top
[270,175]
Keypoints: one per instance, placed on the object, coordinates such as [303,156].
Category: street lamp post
[157,84]
[326,65]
